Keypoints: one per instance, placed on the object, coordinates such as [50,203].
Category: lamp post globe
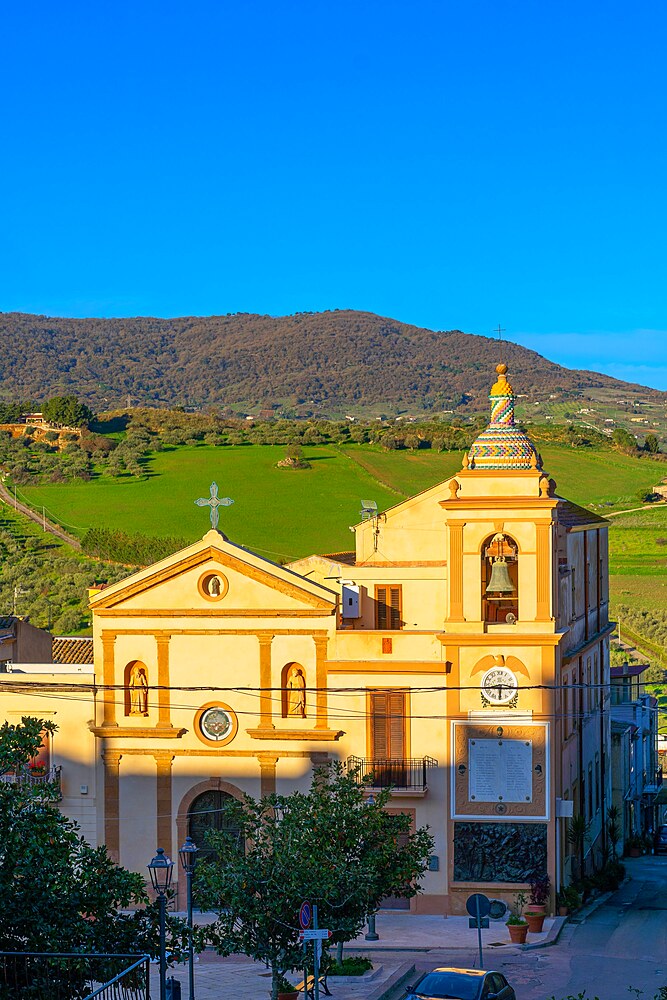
[188,855]
[160,870]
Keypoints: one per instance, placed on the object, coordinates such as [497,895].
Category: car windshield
[448,984]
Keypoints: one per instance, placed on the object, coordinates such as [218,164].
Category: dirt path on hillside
[44,523]
[647,506]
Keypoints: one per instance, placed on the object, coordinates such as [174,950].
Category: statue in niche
[138,690]
[214,586]
[296,693]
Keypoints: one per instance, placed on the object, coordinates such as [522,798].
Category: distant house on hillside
[32,418]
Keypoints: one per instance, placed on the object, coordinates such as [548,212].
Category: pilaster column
[321,697]
[455,564]
[163,762]
[543,571]
[163,694]
[265,693]
[111,759]
[108,679]
[267,774]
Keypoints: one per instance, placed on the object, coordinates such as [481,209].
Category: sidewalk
[402,931]
[238,975]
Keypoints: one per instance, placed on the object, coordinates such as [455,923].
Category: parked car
[461,984]
[660,842]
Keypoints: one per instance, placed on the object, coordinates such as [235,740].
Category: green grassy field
[289,513]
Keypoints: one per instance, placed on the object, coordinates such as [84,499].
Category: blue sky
[452,165]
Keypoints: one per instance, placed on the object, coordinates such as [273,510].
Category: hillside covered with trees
[327,362]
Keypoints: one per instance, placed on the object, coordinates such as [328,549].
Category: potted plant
[536,911]
[286,990]
[516,925]
[634,845]
[569,899]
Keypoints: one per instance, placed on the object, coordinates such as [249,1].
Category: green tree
[623,440]
[66,411]
[57,893]
[330,845]
[651,444]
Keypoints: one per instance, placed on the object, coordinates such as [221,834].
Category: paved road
[621,947]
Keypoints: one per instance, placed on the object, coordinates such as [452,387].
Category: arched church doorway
[205,815]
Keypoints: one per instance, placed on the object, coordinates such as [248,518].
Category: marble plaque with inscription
[500,770]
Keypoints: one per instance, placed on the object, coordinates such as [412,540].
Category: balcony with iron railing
[34,779]
[407,776]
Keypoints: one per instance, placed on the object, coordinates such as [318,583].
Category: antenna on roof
[369,512]
[369,509]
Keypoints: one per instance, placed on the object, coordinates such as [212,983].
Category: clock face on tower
[499,685]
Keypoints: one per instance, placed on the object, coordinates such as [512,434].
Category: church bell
[500,582]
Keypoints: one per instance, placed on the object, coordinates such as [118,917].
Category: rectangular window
[566,708]
[388,725]
[388,607]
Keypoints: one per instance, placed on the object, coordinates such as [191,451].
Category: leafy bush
[354,965]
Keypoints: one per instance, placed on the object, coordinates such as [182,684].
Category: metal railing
[406,774]
[73,976]
[33,778]
[132,983]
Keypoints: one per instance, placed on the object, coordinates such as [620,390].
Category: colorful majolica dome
[502,445]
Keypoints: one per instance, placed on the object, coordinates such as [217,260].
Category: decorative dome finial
[503,445]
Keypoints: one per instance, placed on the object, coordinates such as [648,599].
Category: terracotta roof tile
[348,558]
[69,649]
[573,516]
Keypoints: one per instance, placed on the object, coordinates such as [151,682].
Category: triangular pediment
[217,577]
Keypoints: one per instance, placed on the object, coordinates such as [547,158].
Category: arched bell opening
[500,580]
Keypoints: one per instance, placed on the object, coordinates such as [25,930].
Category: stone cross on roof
[214,501]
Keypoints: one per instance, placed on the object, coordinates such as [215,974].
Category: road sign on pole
[478,906]
[305,915]
[315,934]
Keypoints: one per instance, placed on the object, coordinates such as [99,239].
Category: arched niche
[500,564]
[135,688]
[293,691]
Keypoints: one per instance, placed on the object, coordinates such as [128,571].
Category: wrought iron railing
[36,778]
[407,773]
[73,976]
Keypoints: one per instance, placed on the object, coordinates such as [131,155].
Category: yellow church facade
[459,655]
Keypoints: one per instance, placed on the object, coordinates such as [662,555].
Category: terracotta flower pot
[537,908]
[518,933]
[563,911]
[292,995]
[535,922]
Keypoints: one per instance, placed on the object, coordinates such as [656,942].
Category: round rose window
[216,724]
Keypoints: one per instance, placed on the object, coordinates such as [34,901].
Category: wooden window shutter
[395,607]
[388,607]
[396,724]
[388,725]
[381,607]
[379,731]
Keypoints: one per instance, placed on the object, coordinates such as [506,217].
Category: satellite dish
[369,509]
[510,618]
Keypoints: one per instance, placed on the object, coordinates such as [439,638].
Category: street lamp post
[160,869]
[188,856]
